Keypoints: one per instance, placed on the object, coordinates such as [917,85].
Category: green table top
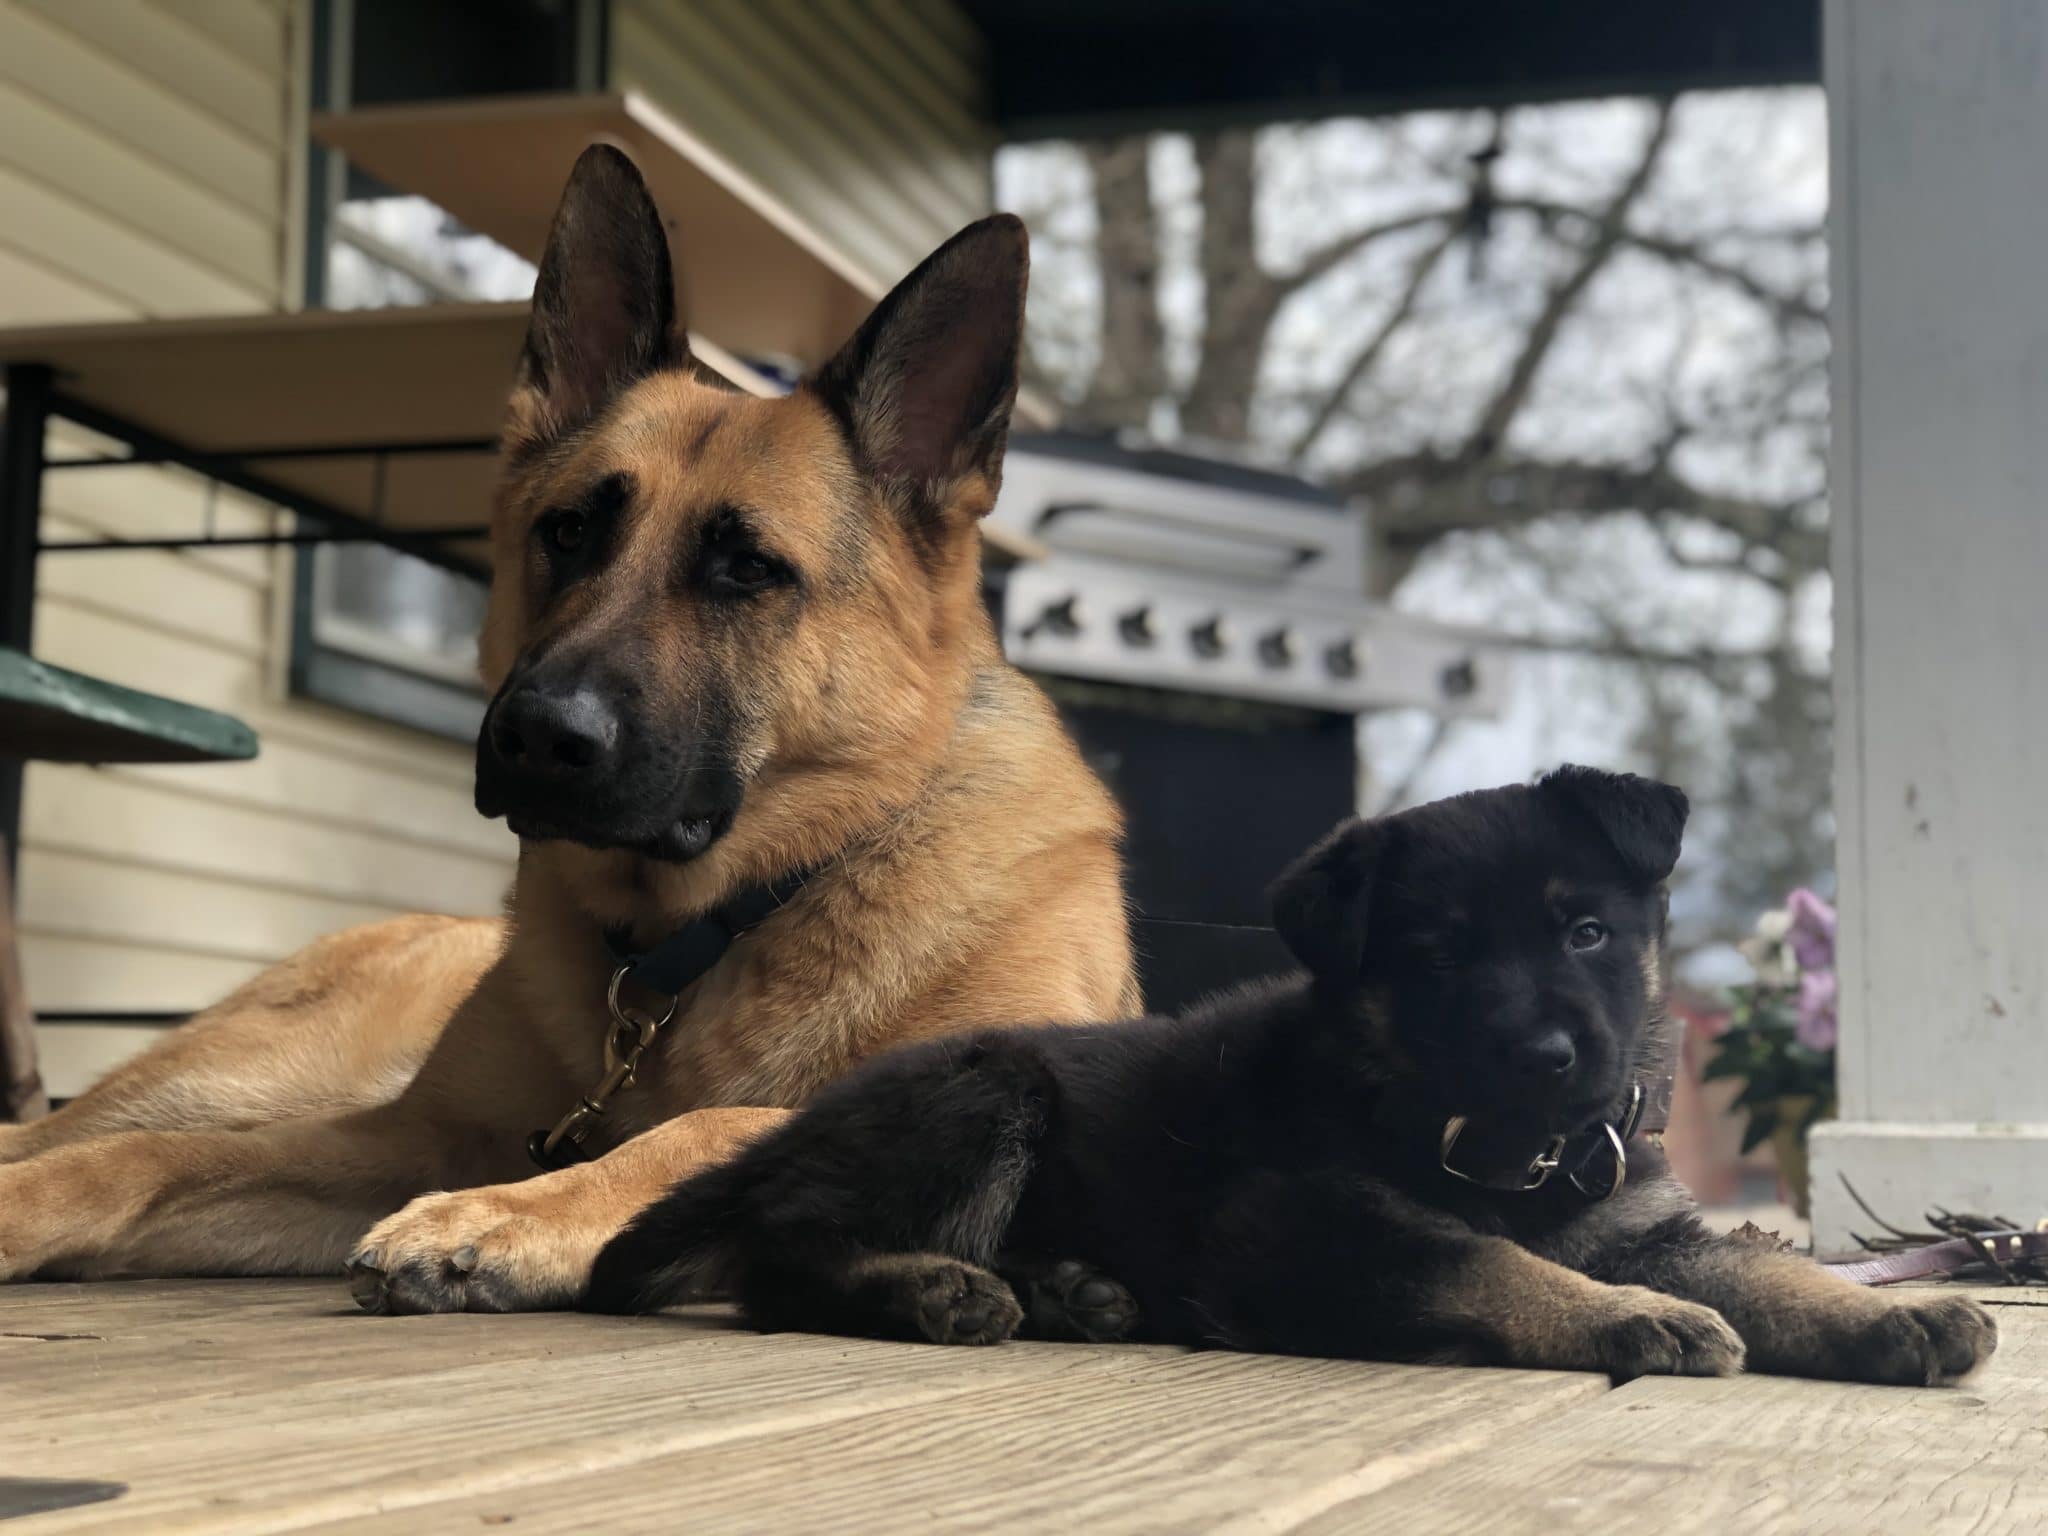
[51,715]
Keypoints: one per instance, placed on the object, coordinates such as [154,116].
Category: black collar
[666,969]
[1594,1159]
[686,954]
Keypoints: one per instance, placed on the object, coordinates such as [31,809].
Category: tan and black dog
[743,677]
[1421,1147]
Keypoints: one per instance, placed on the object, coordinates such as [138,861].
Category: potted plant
[1780,1039]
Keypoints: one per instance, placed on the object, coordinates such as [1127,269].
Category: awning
[384,420]
[1085,67]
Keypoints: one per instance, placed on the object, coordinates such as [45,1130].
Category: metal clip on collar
[628,1038]
[1607,1138]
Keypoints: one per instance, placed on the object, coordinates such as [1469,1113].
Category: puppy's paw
[502,1248]
[1924,1341]
[954,1303]
[1647,1333]
[1073,1300]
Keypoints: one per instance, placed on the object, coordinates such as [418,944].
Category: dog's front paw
[501,1248]
[1073,1300]
[1922,1342]
[1647,1333]
[955,1303]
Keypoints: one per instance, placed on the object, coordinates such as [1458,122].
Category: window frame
[365,674]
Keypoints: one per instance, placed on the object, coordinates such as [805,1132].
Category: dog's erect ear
[925,387]
[1320,904]
[1642,820]
[604,304]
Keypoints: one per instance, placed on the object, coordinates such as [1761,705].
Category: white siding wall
[865,116]
[146,160]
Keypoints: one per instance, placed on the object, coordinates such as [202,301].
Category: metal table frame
[34,400]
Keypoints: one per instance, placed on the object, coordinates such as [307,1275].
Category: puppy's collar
[1595,1160]
[665,970]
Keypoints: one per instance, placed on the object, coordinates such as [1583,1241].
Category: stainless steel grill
[1172,572]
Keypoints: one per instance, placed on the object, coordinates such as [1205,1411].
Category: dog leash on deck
[666,970]
[1999,1254]
[1994,1249]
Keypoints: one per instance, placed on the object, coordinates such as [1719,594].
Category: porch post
[26,417]
[1939,126]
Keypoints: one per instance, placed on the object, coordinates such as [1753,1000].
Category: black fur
[1263,1171]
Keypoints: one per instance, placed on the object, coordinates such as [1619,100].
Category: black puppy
[1425,1148]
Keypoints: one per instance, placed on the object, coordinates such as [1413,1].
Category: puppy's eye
[1587,934]
[566,531]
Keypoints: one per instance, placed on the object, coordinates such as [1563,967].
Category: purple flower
[1812,935]
[1816,1028]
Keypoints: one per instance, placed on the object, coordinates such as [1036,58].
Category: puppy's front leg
[1337,1265]
[1799,1320]
[1526,1311]
[529,1246]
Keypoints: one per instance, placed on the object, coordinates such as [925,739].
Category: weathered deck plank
[263,1406]
[1127,1443]
[1760,1454]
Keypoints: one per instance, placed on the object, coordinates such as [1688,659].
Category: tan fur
[966,874]
[1540,1315]
[1797,1317]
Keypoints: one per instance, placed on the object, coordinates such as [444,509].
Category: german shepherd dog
[1413,1150]
[736,645]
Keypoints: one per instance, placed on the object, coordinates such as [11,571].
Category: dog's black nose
[554,736]
[1546,1057]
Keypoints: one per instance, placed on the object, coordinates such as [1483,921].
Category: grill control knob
[1340,659]
[1460,679]
[1060,618]
[1208,639]
[1276,647]
[1137,627]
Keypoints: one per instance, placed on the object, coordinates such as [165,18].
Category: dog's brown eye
[565,533]
[748,571]
[1587,934]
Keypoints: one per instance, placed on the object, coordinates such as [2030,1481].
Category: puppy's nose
[1545,1058]
[558,736]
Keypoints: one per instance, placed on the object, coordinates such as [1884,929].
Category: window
[374,630]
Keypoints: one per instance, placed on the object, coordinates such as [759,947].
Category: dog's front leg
[281,1199]
[1333,1264]
[529,1246]
[1799,1320]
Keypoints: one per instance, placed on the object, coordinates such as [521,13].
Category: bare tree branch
[1684,253]
[1493,423]
[1340,394]
[1325,260]
[1402,791]
[1619,648]
[1422,497]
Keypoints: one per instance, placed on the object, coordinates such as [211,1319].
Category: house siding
[147,159]
[865,117]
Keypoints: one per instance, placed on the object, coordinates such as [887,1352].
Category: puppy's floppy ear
[1320,904]
[925,387]
[604,303]
[1642,820]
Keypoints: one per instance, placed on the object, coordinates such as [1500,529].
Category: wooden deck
[269,1406]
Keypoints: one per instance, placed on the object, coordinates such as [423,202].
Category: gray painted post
[1939,125]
